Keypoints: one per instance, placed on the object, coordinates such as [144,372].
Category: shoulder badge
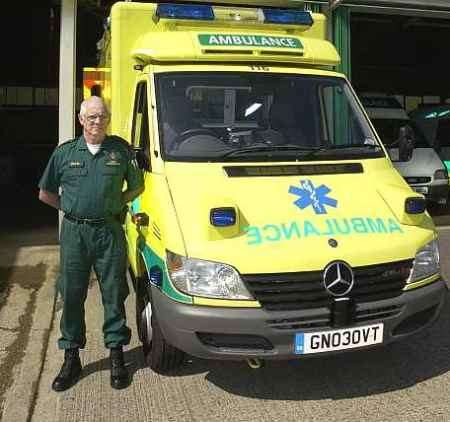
[113,158]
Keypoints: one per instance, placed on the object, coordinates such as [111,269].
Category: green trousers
[101,247]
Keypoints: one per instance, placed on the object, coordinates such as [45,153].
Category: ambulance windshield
[218,116]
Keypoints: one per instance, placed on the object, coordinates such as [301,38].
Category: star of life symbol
[310,195]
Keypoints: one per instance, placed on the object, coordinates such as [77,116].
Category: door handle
[140,219]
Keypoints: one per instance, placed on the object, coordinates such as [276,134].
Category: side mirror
[405,143]
[142,159]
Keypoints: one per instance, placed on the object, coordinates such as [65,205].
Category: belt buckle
[84,220]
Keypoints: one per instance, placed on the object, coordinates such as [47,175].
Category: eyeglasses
[93,117]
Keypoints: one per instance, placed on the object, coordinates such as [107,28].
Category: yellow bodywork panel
[202,301]
[271,235]
[141,38]
[271,239]
[422,283]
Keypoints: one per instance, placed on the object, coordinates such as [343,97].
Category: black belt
[80,220]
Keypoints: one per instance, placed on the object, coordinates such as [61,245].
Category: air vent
[293,170]
[235,341]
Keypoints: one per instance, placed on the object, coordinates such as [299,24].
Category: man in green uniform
[90,172]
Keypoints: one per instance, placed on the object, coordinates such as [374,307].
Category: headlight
[426,262]
[440,174]
[205,278]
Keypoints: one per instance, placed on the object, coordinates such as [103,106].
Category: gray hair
[93,99]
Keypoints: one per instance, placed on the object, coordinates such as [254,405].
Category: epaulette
[121,140]
[67,142]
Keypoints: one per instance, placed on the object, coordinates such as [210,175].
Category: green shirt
[91,185]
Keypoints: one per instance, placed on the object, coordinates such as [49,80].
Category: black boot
[119,374]
[70,371]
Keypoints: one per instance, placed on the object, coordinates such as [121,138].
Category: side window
[340,121]
[140,128]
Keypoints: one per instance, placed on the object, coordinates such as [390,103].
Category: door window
[140,129]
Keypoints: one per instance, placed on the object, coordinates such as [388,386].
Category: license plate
[347,338]
[421,189]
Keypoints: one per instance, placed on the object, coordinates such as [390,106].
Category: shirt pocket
[74,175]
[112,171]
[112,180]
[73,180]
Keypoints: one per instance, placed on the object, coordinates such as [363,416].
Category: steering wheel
[184,136]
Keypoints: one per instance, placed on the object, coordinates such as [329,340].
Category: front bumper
[238,333]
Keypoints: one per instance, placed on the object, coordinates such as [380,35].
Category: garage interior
[394,52]
[403,55]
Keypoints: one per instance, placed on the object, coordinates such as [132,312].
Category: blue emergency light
[156,276]
[288,17]
[185,11]
[222,217]
[415,205]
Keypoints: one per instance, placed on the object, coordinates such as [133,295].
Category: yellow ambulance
[273,224]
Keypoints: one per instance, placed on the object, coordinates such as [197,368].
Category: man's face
[94,121]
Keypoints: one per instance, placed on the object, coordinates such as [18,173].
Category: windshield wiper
[343,148]
[350,146]
[306,151]
[270,148]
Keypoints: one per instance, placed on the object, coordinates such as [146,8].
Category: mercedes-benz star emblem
[338,278]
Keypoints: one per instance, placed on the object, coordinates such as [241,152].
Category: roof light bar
[185,11]
[206,12]
[288,17]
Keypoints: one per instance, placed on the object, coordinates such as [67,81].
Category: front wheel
[158,353]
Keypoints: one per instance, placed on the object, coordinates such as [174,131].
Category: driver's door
[136,229]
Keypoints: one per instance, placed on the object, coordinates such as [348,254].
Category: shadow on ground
[349,375]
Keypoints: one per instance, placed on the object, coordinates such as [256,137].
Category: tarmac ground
[405,381]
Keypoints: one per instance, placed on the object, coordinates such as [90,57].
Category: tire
[159,355]
[140,307]
[163,357]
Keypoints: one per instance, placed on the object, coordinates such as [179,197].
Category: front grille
[415,180]
[320,320]
[305,290]
[324,319]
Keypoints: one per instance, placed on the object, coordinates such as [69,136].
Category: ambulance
[273,224]
[434,120]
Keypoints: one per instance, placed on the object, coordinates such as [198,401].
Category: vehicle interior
[211,115]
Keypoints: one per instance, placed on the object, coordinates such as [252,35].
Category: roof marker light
[288,17]
[185,11]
